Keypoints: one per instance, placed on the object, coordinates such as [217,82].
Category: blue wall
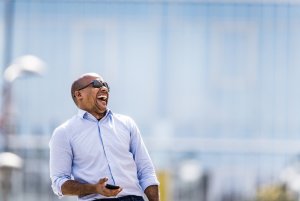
[207,70]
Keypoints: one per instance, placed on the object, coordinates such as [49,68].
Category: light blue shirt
[87,150]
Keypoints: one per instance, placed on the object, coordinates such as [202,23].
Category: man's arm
[145,169]
[72,187]
[152,193]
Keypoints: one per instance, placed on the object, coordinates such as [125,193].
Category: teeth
[102,97]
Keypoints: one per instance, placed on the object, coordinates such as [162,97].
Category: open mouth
[102,97]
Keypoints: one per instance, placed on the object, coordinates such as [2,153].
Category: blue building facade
[212,81]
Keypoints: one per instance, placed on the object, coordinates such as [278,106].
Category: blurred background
[212,84]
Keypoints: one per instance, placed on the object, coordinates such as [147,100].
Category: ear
[77,94]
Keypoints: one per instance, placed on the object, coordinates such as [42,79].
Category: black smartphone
[109,186]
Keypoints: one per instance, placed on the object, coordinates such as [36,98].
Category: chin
[103,110]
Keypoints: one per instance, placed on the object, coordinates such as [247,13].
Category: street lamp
[26,65]
[22,66]
[8,162]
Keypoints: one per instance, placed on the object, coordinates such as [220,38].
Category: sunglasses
[95,84]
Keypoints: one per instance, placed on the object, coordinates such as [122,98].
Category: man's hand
[101,189]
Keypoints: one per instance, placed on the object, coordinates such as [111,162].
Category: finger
[103,180]
[114,192]
[119,190]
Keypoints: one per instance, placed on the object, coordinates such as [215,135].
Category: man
[97,147]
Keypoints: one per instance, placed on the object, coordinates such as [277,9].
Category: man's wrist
[152,193]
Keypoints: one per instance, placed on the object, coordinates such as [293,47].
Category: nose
[104,89]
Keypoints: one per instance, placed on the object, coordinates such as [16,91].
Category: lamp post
[27,65]
[8,163]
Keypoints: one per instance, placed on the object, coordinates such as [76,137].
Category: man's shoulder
[124,120]
[67,125]
[122,117]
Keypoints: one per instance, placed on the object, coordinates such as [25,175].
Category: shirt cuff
[149,182]
[56,186]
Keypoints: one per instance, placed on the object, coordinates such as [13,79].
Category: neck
[99,116]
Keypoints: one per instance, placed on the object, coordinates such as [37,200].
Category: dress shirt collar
[85,115]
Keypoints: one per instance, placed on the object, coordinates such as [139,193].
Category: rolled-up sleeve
[145,168]
[60,160]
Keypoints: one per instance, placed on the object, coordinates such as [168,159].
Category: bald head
[82,81]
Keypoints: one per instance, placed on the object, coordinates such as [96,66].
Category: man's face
[94,96]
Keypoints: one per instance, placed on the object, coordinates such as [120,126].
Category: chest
[95,140]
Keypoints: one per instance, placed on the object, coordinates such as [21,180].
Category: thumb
[103,180]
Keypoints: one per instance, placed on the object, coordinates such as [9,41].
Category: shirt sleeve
[145,168]
[60,160]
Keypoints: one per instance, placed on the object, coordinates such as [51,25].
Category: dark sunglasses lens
[99,84]
[105,84]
